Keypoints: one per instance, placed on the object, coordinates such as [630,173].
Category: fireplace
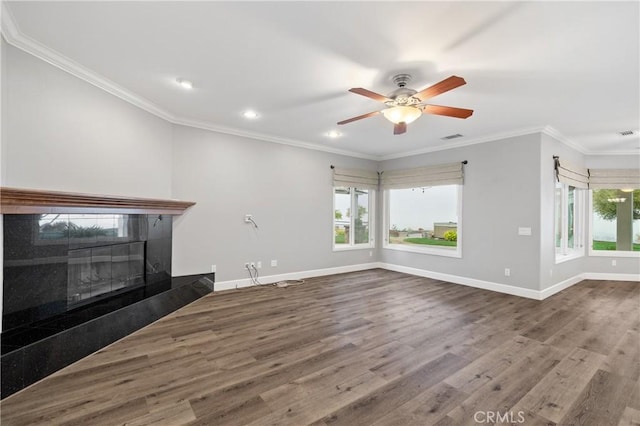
[55,263]
[80,272]
[96,271]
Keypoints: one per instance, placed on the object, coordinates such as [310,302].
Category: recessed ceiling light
[185,84]
[333,134]
[250,114]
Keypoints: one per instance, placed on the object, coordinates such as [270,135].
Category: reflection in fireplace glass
[98,270]
[84,227]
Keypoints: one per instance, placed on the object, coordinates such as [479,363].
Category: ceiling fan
[405,105]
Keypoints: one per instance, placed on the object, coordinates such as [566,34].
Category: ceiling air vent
[446,138]
[627,133]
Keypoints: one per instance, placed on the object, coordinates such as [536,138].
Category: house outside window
[424,220]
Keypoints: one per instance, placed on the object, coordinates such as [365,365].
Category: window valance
[614,178]
[442,174]
[571,174]
[355,178]
[583,178]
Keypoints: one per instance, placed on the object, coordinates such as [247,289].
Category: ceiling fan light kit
[402,114]
[405,105]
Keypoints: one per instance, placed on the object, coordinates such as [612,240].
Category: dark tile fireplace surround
[74,283]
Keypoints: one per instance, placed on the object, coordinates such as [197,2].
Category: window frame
[603,253]
[429,250]
[372,230]
[564,252]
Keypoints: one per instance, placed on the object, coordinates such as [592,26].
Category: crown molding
[269,138]
[8,22]
[12,34]
[554,133]
[625,152]
[550,131]
[460,144]
[547,130]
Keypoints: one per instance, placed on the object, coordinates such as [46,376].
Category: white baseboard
[610,277]
[471,282]
[270,279]
[556,288]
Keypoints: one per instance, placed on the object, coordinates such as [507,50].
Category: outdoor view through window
[351,229]
[423,218]
[616,219]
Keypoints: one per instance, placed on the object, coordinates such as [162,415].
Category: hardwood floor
[365,348]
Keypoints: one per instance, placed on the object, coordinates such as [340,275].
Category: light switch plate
[524,231]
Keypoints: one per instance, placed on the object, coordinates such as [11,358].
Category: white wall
[499,195]
[64,134]
[288,191]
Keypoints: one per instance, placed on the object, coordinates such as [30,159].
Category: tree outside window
[616,220]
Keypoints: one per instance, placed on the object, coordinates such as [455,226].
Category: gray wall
[64,134]
[61,133]
[550,272]
[502,181]
[288,191]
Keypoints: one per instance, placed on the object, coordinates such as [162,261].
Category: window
[352,223]
[424,220]
[569,223]
[615,221]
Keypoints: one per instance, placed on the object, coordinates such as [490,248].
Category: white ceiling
[573,66]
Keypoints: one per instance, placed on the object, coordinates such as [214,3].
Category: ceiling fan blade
[400,128]
[448,111]
[360,117]
[369,94]
[439,88]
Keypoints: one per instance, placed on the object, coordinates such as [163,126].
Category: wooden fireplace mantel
[31,201]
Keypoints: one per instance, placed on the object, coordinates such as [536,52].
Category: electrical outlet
[213,268]
[507,272]
[613,262]
[253,265]
[370,253]
[259,264]
[246,265]
[274,263]
[247,218]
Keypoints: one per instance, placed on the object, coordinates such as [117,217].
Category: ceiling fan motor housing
[402,96]
[401,80]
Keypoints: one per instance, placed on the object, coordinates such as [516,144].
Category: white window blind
[443,174]
[571,174]
[355,178]
[614,179]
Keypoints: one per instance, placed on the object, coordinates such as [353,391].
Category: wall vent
[446,138]
[627,133]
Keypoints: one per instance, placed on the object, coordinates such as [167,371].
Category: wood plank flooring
[365,348]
